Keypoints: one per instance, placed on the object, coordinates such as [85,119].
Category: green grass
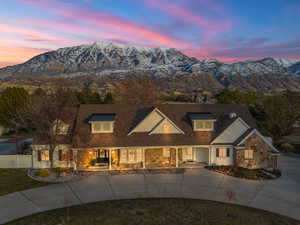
[12,180]
[293,138]
[157,212]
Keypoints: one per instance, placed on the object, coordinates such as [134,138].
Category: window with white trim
[222,152]
[166,152]
[248,154]
[102,127]
[203,125]
[43,155]
[131,155]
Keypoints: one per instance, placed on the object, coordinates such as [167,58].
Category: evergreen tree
[108,99]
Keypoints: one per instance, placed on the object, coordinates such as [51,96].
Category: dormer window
[202,121]
[102,127]
[102,123]
[203,125]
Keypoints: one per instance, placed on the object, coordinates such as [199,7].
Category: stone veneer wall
[261,153]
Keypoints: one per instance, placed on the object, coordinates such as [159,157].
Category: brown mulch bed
[252,174]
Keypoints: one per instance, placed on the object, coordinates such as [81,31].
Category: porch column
[109,156]
[176,157]
[143,158]
[74,159]
[209,155]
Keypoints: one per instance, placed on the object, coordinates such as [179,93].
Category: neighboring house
[169,135]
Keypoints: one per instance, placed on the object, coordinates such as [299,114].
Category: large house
[113,137]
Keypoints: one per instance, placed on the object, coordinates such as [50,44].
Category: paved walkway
[280,196]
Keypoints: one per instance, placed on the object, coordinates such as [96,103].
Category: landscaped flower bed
[56,175]
[252,174]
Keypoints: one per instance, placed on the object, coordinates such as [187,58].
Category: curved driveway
[280,196]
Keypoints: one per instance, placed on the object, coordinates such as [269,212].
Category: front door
[102,156]
[200,155]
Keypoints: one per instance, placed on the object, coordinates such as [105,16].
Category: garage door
[200,155]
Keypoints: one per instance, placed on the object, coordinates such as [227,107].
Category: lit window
[97,127]
[248,154]
[222,152]
[43,155]
[208,125]
[166,152]
[102,127]
[203,125]
[131,155]
[106,126]
[166,128]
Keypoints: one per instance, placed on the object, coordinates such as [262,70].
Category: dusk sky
[228,30]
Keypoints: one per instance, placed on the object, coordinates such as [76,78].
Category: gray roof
[128,116]
[201,116]
[102,117]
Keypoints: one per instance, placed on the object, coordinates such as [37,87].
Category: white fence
[15,161]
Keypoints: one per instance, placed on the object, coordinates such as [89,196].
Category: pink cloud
[108,21]
[30,35]
[210,27]
[83,33]
[255,48]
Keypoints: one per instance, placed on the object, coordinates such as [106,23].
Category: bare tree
[50,118]
[137,91]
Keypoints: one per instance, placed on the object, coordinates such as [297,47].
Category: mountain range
[167,65]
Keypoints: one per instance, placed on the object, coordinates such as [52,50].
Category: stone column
[176,157]
[109,156]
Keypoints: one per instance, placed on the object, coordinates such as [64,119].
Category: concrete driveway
[280,196]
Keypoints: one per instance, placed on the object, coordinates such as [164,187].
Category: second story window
[102,123]
[203,125]
[102,127]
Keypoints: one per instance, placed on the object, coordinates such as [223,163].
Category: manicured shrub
[42,173]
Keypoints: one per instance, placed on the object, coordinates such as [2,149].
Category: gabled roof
[252,131]
[232,132]
[129,116]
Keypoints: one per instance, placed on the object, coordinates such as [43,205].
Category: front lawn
[157,212]
[12,180]
[252,174]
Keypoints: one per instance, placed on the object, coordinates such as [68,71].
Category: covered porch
[97,159]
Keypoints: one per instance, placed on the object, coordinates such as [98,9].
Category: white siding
[221,161]
[232,133]
[15,161]
[47,164]
[160,129]
[149,122]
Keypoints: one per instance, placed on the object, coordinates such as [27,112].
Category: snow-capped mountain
[295,68]
[120,60]
[246,68]
[99,57]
